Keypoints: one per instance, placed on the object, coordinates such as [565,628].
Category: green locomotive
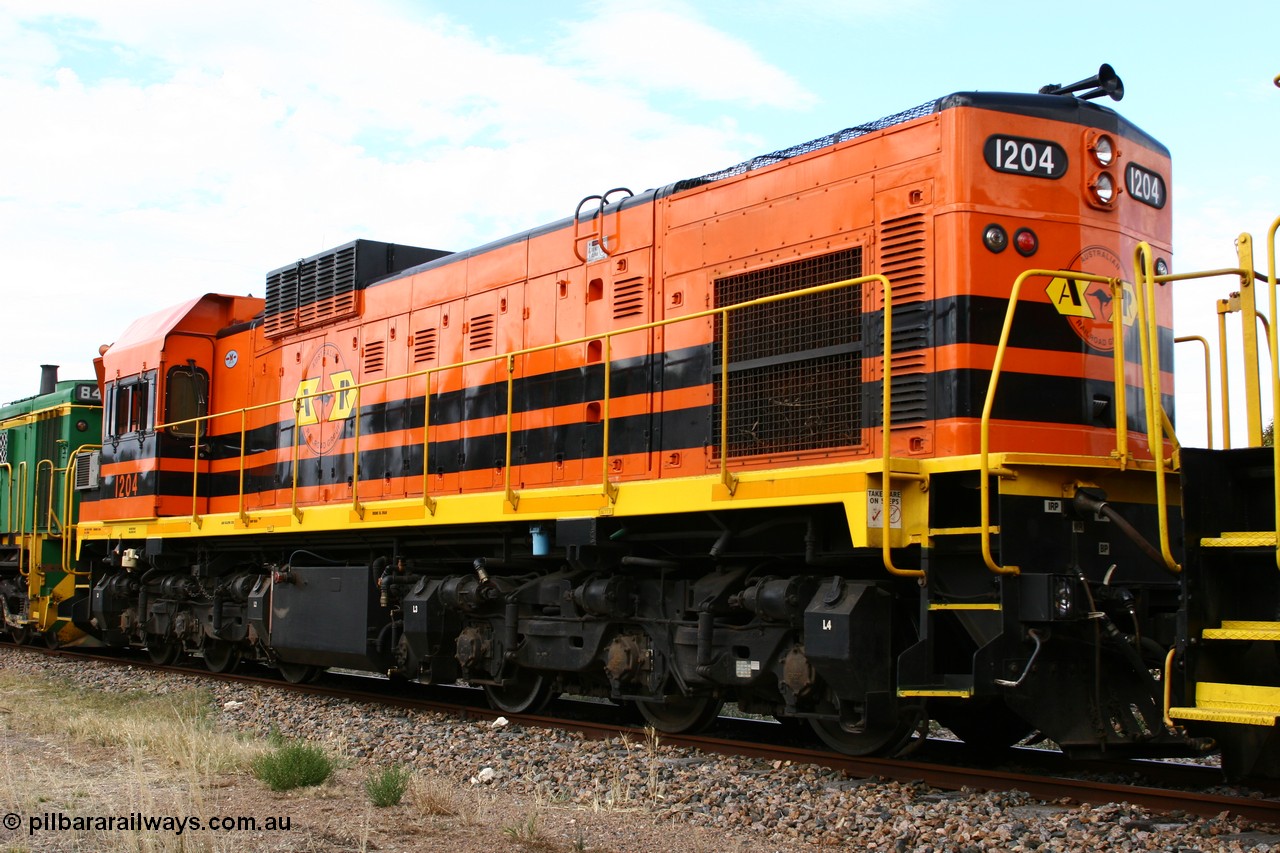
[45,463]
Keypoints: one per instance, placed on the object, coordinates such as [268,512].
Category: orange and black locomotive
[863,432]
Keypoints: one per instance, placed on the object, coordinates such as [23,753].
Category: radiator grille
[795,366]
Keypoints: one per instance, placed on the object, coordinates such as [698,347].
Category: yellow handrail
[1149,339]
[609,488]
[886,427]
[1275,366]
[8,470]
[1208,375]
[984,452]
[49,517]
[22,517]
[68,497]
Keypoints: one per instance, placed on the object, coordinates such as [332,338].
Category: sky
[153,151]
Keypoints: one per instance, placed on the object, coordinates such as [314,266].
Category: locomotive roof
[1065,108]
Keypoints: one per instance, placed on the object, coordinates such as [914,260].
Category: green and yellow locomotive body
[46,459]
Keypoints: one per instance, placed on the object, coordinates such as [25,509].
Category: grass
[293,765]
[387,787]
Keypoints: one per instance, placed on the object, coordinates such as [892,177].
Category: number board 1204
[1018,155]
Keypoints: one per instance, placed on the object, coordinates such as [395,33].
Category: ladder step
[1241,539]
[1240,630]
[1234,716]
[968,605]
[1241,704]
[957,686]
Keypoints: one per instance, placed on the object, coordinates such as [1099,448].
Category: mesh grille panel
[795,366]
[813,145]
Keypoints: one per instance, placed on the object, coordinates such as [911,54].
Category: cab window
[131,407]
[186,397]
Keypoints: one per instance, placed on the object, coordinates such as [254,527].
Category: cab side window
[186,398]
[131,407]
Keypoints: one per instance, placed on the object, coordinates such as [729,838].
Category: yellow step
[1240,630]
[1240,704]
[1243,539]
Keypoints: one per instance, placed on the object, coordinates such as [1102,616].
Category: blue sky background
[153,151]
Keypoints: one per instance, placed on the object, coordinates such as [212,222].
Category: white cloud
[664,45]
[154,153]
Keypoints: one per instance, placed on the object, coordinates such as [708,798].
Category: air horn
[1105,82]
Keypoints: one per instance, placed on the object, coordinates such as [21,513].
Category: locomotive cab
[156,383]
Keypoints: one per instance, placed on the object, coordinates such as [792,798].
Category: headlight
[1104,189]
[1104,150]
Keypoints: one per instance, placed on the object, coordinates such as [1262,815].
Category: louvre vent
[795,366]
[424,346]
[86,470]
[481,333]
[375,357]
[628,298]
[322,288]
[903,258]
[4,447]
[910,399]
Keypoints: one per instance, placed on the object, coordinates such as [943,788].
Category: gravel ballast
[750,804]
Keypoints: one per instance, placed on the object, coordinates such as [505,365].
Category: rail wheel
[881,740]
[680,714]
[20,636]
[527,693]
[163,652]
[221,656]
[298,673]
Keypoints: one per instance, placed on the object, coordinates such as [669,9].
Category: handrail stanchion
[1149,338]
[727,478]
[512,497]
[610,489]
[356,506]
[429,501]
[1275,368]
[244,432]
[297,436]
[886,444]
[1208,378]
[1120,364]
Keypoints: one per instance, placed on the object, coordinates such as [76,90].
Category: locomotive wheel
[527,693]
[680,714]
[885,740]
[20,636]
[163,652]
[298,673]
[221,656]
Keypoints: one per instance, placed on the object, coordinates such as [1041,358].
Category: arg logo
[325,398]
[1089,306]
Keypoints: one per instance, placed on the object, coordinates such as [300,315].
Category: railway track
[1159,786]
